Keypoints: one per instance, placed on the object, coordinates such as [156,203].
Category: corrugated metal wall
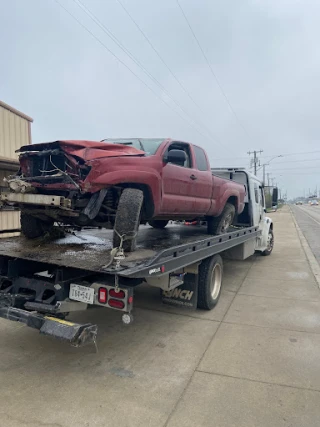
[14,132]
[9,220]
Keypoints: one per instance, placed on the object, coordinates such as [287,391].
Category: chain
[119,255]
[116,283]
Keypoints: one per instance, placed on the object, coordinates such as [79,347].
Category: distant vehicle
[314,203]
[299,203]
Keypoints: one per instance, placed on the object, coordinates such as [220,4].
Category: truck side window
[262,196]
[256,193]
[201,159]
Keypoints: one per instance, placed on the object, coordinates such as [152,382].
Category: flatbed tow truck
[43,281]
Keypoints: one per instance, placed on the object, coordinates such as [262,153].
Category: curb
[315,267]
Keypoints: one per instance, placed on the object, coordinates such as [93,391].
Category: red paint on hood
[86,150]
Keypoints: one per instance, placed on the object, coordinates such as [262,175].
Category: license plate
[81,293]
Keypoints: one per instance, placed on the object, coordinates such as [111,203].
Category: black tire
[33,227]
[221,223]
[128,218]
[210,282]
[269,249]
[158,223]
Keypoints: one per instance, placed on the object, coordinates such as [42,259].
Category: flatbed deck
[90,250]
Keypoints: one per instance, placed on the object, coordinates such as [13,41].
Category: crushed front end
[54,185]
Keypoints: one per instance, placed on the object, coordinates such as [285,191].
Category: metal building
[15,131]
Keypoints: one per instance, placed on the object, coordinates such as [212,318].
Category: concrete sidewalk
[253,361]
[262,365]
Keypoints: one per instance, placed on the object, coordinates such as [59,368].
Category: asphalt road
[308,219]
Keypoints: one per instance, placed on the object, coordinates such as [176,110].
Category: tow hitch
[73,333]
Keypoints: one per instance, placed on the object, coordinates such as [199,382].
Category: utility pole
[255,159]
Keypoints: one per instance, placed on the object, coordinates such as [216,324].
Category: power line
[160,57]
[298,161]
[297,168]
[271,155]
[137,62]
[126,66]
[211,69]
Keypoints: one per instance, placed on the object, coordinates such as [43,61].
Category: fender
[149,179]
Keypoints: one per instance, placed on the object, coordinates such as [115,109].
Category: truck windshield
[148,145]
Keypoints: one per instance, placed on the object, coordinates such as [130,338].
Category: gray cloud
[264,53]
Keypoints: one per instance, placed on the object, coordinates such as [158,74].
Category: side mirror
[177,157]
[275,197]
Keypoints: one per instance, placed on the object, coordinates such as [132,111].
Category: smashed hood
[86,150]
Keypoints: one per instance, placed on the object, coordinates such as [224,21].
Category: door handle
[193,177]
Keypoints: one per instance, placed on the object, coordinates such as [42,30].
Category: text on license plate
[81,293]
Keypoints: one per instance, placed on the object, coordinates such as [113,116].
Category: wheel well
[148,204]
[233,200]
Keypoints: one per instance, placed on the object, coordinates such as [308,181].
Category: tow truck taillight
[114,294]
[116,304]
[102,295]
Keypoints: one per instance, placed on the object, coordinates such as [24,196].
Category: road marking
[314,265]
[309,216]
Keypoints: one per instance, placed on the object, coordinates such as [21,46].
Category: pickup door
[203,182]
[186,189]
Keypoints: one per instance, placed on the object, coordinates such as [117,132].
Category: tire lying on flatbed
[221,223]
[33,227]
[128,219]
[158,223]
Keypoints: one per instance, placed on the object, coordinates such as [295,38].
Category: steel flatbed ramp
[90,250]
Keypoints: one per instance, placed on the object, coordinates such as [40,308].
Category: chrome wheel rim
[270,242]
[226,223]
[216,279]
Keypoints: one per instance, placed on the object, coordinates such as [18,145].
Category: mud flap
[73,333]
[184,296]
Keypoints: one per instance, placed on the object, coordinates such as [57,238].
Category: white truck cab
[254,213]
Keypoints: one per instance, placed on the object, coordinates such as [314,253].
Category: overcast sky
[265,54]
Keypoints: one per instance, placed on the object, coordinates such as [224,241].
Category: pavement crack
[23,422]
[257,381]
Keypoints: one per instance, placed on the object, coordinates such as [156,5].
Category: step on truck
[43,282]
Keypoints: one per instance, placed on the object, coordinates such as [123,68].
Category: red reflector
[102,295]
[114,294]
[116,304]
[130,300]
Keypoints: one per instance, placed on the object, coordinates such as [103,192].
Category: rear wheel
[221,223]
[158,223]
[128,218]
[33,227]
[210,281]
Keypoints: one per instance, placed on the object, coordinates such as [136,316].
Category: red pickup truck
[120,184]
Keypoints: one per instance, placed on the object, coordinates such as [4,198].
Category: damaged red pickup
[120,183]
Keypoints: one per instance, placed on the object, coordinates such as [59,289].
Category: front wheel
[270,244]
[128,219]
[158,223]
[221,223]
[210,281]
